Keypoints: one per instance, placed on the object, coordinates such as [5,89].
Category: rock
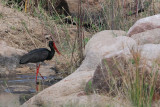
[108,76]
[94,52]
[98,48]
[78,100]
[112,71]
[9,100]
[20,89]
[105,46]
[7,51]
[150,52]
[76,81]
[145,24]
[9,58]
[105,35]
[112,75]
[147,37]
[71,84]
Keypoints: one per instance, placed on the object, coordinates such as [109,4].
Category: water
[16,90]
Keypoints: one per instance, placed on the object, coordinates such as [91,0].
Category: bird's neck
[52,49]
[52,52]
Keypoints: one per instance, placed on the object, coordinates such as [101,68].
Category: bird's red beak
[56,48]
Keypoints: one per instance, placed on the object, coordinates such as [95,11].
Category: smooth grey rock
[145,24]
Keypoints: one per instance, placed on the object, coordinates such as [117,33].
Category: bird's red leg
[39,72]
[41,76]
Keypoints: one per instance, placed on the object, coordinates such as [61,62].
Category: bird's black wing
[34,56]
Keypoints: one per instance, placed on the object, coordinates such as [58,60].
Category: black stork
[39,55]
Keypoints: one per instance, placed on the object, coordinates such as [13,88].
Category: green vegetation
[112,16]
[89,87]
[141,85]
[138,84]
[1,15]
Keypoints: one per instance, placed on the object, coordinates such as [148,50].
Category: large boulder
[8,51]
[105,43]
[9,58]
[75,82]
[147,37]
[81,100]
[105,35]
[145,24]
[99,40]
[107,71]
[9,100]
[150,52]
[112,72]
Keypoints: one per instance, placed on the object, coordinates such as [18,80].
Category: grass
[1,15]
[138,83]
[142,86]
[112,16]
[58,30]
[130,79]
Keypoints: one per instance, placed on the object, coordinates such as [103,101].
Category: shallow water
[16,90]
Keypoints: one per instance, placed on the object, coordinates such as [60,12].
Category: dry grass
[111,16]
[129,78]
[29,33]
